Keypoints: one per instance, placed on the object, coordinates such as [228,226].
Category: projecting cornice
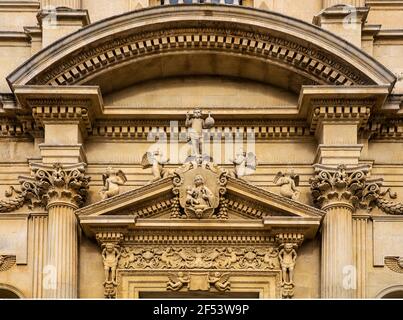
[201,39]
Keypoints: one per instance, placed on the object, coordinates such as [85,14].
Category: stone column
[64,190]
[336,191]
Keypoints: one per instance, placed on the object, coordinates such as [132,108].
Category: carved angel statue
[245,164]
[288,184]
[288,258]
[110,256]
[176,282]
[112,180]
[220,281]
[156,161]
[196,126]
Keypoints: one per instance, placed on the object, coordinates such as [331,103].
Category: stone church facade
[176,149]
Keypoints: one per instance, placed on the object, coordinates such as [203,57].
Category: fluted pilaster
[39,231]
[360,224]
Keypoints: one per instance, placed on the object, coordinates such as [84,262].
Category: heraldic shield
[199,187]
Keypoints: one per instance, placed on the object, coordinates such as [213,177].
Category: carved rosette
[338,187]
[59,184]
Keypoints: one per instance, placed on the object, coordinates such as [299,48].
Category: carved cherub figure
[176,282]
[220,281]
[244,163]
[156,161]
[112,180]
[288,258]
[196,126]
[110,256]
[288,183]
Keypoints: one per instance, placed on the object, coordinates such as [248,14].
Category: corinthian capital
[62,184]
[341,186]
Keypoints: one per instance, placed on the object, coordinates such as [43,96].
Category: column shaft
[63,251]
[39,229]
[337,252]
[360,254]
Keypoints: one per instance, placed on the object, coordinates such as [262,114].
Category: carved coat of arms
[199,185]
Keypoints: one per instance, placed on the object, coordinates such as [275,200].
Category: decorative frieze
[199,258]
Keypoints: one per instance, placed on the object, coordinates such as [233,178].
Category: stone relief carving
[199,281]
[373,196]
[245,164]
[195,126]
[177,282]
[199,185]
[220,281]
[110,256]
[29,193]
[394,263]
[199,198]
[197,257]
[156,161]
[112,180]
[288,183]
[7,262]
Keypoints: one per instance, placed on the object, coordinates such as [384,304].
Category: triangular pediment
[244,202]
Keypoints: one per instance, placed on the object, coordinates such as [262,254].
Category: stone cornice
[327,63]
[62,15]
[30,6]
